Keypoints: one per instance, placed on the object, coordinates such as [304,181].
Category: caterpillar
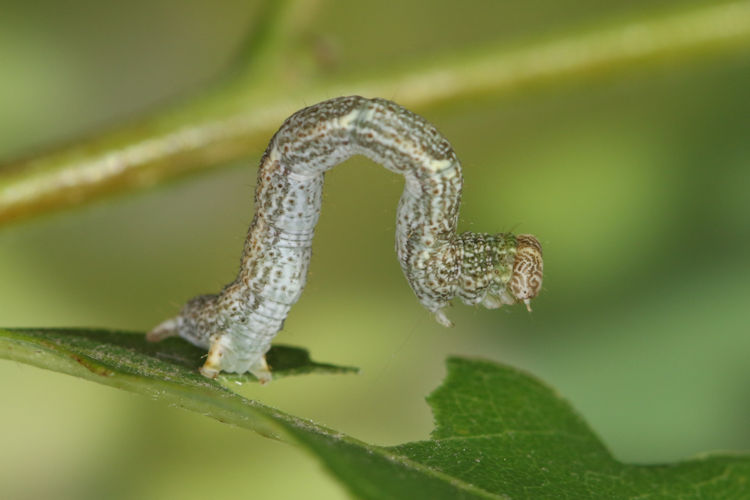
[238,324]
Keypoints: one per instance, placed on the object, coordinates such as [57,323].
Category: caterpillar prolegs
[238,324]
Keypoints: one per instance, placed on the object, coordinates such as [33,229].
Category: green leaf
[507,433]
[500,433]
[129,352]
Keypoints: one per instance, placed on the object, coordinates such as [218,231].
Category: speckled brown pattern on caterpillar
[238,324]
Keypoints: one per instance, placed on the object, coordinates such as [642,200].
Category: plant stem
[235,118]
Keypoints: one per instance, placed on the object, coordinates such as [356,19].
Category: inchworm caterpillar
[238,324]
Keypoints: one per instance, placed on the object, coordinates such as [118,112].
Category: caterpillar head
[499,269]
[528,266]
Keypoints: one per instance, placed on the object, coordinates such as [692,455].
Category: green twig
[233,121]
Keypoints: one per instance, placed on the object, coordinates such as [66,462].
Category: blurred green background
[635,180]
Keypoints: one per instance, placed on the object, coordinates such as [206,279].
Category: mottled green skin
[486,266]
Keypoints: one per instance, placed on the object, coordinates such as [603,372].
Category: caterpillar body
[238,324]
